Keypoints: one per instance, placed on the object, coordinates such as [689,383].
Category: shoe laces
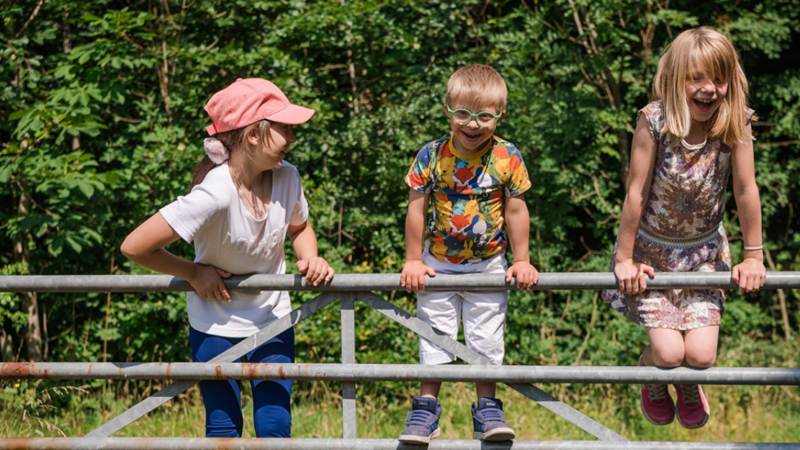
[493,414]
[419,417]
[691,393]
[657,392]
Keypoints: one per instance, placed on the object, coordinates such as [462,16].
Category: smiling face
[273,151]
[471,137]
[704,94]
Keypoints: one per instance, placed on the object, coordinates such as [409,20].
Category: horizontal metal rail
[401,372]
[377,282]
[159,443]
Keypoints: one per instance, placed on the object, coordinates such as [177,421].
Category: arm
[304,243]
[751,273]
[144,246]
[518,222]
[643,156]
[413,275]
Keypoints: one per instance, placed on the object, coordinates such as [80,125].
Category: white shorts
[483,313]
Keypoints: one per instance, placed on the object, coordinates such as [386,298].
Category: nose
[473,121]
[707,86]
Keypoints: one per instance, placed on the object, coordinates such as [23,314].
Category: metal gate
[346,289]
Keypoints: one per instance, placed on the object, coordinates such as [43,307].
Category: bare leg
[666,348]
[701,347]
[486,389]
[430,389]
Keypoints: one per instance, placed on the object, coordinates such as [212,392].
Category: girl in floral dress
[685,146]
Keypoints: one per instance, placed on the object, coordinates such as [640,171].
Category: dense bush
[103,122]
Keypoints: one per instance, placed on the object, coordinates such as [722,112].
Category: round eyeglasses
[464,116]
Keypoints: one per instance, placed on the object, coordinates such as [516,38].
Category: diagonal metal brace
[546,400]
[237,351]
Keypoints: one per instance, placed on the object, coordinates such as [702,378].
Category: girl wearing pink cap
[243,202]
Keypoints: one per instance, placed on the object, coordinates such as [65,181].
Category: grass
[739,413]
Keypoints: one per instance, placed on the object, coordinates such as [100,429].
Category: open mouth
[471,137]
[703,105]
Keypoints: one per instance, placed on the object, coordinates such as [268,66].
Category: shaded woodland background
[103,122]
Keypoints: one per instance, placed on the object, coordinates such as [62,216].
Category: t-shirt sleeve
[654,116]
[419,175]
[749,115]
[300,212]
[518,180]
[189,214]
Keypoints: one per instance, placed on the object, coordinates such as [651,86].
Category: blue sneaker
[422,422]
[489,421]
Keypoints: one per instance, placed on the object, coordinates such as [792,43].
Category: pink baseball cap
[251,100]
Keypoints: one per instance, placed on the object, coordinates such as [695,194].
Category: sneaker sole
[410,439]
[498,434]
[644,413]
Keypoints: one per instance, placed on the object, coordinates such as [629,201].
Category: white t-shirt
[227,236]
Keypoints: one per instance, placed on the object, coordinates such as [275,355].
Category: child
[684,148]
[244,200]
[475,182]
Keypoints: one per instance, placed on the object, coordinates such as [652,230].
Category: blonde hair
[477,85]
[713,54]
[234,141]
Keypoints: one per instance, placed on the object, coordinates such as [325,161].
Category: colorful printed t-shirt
[467,197]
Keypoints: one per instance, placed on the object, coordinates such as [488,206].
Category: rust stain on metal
[281,372]
[226,443]
[168,372]
[252,371]
[218,370]
[18,370]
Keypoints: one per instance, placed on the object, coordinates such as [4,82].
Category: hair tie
[216,150]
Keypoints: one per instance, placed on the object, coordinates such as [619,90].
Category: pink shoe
[692,408]
[656,403]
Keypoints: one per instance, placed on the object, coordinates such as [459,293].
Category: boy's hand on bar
[526,274]
[413,276]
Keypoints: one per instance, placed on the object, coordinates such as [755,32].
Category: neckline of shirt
[247,214]
[490,144]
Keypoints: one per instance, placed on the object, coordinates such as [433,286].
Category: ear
[252,137]
[502,116]
[445,108]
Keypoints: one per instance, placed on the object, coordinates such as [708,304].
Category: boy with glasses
[474,182]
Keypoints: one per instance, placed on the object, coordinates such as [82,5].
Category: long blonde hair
[713,54]
[234,141]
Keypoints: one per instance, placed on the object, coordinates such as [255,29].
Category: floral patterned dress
[680,231]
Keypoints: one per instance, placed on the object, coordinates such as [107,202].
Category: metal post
[348,357]
[348,282]
[162,443]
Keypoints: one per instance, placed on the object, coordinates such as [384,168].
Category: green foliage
[105,123]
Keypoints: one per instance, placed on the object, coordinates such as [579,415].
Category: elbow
[128,249]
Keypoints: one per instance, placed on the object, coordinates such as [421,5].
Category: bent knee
[701,360]
[668,358]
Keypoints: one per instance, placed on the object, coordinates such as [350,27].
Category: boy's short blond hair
[477,85]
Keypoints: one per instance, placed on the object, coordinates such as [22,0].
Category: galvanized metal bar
[572,415]
[376,282]
[237,351]
[161,443]
[353,373]
[348,358]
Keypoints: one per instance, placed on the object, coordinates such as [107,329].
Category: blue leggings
[222,399]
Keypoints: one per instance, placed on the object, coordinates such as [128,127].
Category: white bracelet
[754,248]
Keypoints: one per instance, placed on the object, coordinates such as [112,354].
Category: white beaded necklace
[693,147]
